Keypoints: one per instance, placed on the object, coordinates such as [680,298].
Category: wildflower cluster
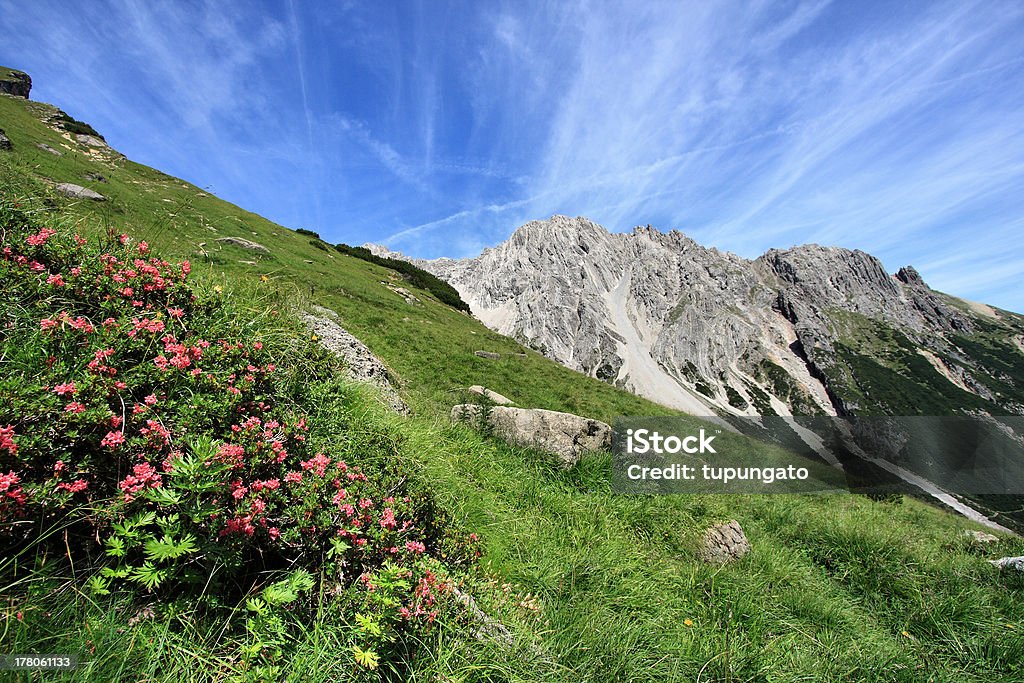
[135,404]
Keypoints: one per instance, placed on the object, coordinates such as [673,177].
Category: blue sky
[438,128]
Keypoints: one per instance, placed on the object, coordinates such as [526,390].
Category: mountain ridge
[700,329]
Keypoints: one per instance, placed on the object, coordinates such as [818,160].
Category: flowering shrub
[138,407]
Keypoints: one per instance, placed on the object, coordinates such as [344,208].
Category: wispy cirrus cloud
[438,128]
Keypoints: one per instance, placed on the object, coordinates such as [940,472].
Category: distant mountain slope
[808,330]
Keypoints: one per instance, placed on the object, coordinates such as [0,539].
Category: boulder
[95,177]
[46,148]
[492,396]
[723,543]
[17,83]
[487,354]
[566,435]
[361,364]
[980,536]
[90,140]
[5,142]
[1014,563]
[79,192]
[244,244]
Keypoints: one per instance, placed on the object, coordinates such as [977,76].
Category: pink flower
[415,547]
[47,324]
[82,324]
[74,407]
[40,238]
[62,389]
[175,312]
[113,439]
[387,519]
[75,486]
[318,463]
[274,533]
[231,453]
[149,400]
[143,476]
[293,477]
[7,440]
[55,280]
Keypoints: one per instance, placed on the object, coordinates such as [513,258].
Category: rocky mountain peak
[908,275]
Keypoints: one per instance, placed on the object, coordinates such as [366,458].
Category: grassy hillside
[592,586]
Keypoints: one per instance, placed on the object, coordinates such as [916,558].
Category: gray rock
[95,177]
[483,626]
[46,148]
[244,244]
[487,354]
[361,364]
[17,83]
[408,296]
[492,396]
[566,435]
[723,543]
[5,142]
[78,192]
[1013,563]
[980,536]
[90,140]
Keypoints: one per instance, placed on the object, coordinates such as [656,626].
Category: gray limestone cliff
[707,331]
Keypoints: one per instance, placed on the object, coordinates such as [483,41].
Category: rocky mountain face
[808,330]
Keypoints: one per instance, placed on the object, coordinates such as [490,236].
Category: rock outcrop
[361,364]
[566,435]
[981,537]
[1011,563]
[90,140]
[46,148]
[5,142]
[244,244]
[78,192]
[17,83]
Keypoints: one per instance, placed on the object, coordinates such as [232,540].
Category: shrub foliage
[416,276]
[136,413]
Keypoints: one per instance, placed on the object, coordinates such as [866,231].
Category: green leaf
[368,625]
[256,605]
[149,576]
[115,547]
[366,658]
[116,573]
[98,585]
[162,496]
[279,594]
[167,549]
